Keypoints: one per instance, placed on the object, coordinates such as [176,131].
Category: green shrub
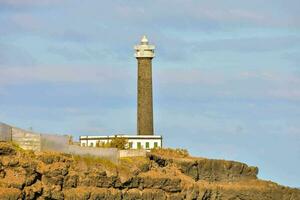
[116,142]
[119,142]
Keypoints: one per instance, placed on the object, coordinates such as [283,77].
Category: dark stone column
[145,100]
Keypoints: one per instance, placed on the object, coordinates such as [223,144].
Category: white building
[134,141]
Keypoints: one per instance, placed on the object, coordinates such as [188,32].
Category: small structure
[145,138]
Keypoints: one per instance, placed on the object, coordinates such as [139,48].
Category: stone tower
[144,54]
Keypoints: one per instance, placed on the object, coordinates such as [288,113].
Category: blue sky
[226,75]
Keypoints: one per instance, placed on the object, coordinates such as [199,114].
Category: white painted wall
[134,141]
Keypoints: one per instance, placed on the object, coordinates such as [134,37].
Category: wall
[111,154]
[54,142]
[143,143]
[5,132]
[132,153]
[26,139]
[134,140]
[29,140]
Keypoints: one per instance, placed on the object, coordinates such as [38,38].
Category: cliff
[160,175]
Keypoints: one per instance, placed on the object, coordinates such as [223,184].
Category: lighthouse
[144,53]
[145,138]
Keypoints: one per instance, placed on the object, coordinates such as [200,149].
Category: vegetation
[116,142]
[90,160]
[119,142]
[178,153]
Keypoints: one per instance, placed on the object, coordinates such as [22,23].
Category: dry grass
[133,161]
[94,161]
[169,152]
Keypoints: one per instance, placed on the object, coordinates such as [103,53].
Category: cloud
[11,55]
[294,130]
[211,14]
[175,84]
[249,44]
[25,21]
[286,93]
[28,2]
[70,53]
[62,74]
[196,84]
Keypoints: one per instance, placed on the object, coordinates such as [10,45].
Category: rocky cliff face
[28,175]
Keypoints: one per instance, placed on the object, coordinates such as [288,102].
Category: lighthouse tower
[145,138]
[144,54]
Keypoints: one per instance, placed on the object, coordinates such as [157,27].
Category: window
[155,144]
[83,144]
[147,145]
[130,145]
[139,146]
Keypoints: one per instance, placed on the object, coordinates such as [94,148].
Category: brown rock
[132,194]
[33,191]
[80,193]
[153,194]
[7,149]
[10,193]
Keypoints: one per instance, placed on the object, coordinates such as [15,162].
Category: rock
[103,193]
[31,179]
[14,178]
[162,162]
[52,192]
[51,157]
[10,161]
[54,173]
[7,149]
[10,193]
[153,194]
[92,193]
[24,175]
[33,191]
[166,184]
[71,180]
[2,172]
[176,196]
[144,167]
[132,194]
[217,170]
[133,182]
[80,193]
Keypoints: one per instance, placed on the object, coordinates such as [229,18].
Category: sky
[226,74]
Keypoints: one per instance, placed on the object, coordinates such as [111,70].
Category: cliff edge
[162,175]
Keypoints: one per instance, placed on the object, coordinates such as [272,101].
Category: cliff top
[163,174]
